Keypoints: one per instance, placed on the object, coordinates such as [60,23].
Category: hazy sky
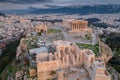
[66,1]
[88,1]
[17,4]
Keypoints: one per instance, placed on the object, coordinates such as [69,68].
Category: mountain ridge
[87,9]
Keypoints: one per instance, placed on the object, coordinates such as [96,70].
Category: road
[69,38]
[114,73]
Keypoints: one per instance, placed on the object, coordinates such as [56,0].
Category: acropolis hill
[72,51]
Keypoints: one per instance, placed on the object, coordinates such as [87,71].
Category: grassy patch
[94,48]
[88,37]
[12,69]
[6,78]
[51,30]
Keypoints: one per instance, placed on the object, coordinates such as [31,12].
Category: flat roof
[62,43]
[38,50]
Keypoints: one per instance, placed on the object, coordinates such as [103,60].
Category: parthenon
[79,25]
[76,25]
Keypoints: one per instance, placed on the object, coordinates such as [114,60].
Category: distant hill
[77,9]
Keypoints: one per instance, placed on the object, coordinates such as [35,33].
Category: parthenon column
[73,26]
[77,26]
[67,61]
[73,59]
[63,60]
[78,60]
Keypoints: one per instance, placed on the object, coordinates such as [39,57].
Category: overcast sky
[65,1]
[17,4]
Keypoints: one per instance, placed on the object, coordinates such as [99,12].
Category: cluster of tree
[51,21]
[102,25]
[8,55]
[51,30]
[92,20]
[118,20]
[113,41]
[96,22]
[95,47]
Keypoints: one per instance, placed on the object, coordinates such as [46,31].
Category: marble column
[81,57]
[67,61]
[73,59]
[78,60]
[78,26]
[75,26]
[72,26]
[63,60]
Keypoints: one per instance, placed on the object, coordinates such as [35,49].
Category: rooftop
[72,20]
[38,50]
[79,21]
[62,43]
